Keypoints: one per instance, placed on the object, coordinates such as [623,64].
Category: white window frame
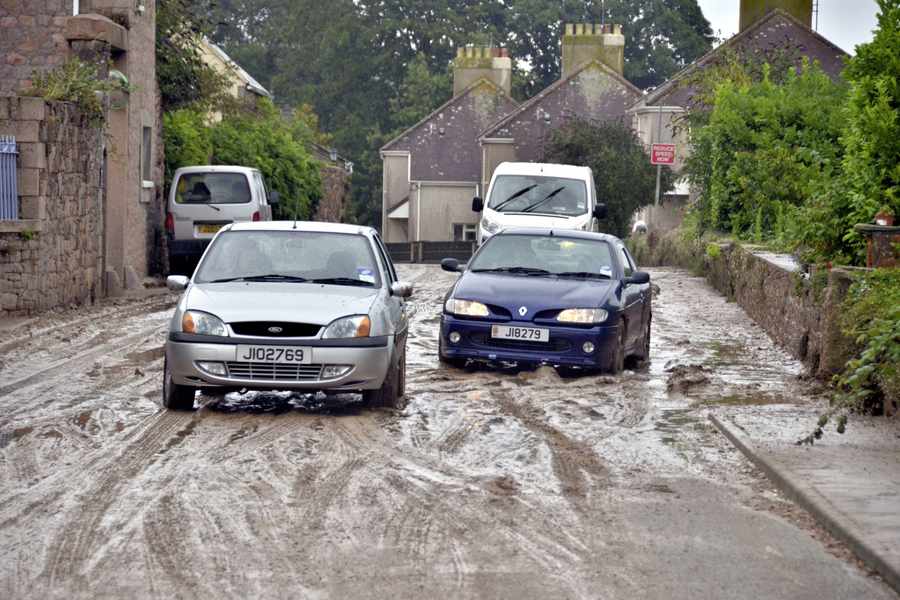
[76,8]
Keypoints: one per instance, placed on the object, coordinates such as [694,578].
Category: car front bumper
[369,365]
[564,349]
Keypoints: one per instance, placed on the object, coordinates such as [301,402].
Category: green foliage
[766,149]
[713,250]
[187,138]
[75,81]
[625,179]
[871,317]
[184,79]
[263,139]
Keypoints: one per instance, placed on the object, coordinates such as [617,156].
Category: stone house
[90,202]
[767,28]
[433,169]
[240,84]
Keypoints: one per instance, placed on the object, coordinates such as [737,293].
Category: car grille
[259,371]
[261,329]
[555,344]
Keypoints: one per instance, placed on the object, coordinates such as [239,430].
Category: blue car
[570,299]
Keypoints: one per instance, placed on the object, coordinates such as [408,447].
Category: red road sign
[662,154]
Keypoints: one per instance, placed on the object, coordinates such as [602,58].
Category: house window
[464,232]
[147,155]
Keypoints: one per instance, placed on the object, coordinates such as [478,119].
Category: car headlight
[201,323]
[489,225]
[349,327]
[582,315]
[466,308]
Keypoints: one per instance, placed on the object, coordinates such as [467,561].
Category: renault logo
[275,329]
[523,311]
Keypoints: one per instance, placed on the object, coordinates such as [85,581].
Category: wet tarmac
[486,484]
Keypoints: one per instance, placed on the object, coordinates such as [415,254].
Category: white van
[204,199]
[539,195]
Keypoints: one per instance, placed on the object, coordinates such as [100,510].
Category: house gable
[444,145]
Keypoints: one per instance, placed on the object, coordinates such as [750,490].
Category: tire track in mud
[73,546]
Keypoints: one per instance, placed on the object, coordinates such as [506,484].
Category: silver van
[204,199]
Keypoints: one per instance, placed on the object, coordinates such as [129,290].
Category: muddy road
[486,485]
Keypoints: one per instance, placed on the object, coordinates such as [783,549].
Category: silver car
[289,306]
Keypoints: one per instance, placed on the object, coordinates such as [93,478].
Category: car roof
[309,226]
[563,233]
[215,169]
[546,169]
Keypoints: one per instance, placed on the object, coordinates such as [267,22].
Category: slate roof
[444,145]
[770,31]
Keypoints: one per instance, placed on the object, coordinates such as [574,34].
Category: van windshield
[212,188]
[538,195]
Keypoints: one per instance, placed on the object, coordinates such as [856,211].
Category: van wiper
[549,197]
[343,281]
[584,274]
[515,270]
[521,192]
[269,277]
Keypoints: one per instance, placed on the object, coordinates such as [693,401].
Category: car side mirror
[639,278]
[401,289]
[600,211]
[177,283]
[477,204]
[274,198]
[451,265]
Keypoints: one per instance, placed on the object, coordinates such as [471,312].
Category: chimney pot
[583,43]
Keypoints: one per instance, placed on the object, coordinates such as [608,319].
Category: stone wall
[53,257]
[335,190]
[31,38]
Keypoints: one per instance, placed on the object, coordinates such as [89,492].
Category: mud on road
[486,485]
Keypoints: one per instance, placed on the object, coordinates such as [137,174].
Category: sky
[844,22]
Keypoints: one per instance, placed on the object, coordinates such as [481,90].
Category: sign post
[661,154]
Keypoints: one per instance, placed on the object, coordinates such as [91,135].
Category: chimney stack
[582,43]
[754,10]
[473,63]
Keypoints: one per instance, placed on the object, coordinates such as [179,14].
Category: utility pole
[658,167]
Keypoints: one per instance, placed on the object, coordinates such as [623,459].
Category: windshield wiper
[269,277]
[521,192]
[548,197]
[584,274]
[343,281]
[515,270]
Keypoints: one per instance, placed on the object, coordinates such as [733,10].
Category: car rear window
[212,188]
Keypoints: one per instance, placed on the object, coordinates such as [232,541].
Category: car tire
[458,363]
[175,396]
[390,394]
[644,353]
[618,360]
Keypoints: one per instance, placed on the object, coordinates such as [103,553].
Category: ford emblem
[275,329]
[523,311]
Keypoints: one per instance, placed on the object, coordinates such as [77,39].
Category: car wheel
[390,394]
[458,363]
[618,361]
[175,396]
[644,354]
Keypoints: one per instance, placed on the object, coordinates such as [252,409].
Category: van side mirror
[274,198]
[600,211]
[477,204]
[451,265]
[638,278]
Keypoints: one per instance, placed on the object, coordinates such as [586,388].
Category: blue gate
[9,195]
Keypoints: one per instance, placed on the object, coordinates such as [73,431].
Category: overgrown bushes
[74,81]
[257,137]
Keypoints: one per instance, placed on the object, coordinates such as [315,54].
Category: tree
[625,179]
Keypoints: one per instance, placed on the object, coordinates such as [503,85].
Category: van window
[212,188]
[539,195]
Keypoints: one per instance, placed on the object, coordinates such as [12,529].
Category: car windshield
[545,255]
[290,257]
[539,195]
[212,188]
